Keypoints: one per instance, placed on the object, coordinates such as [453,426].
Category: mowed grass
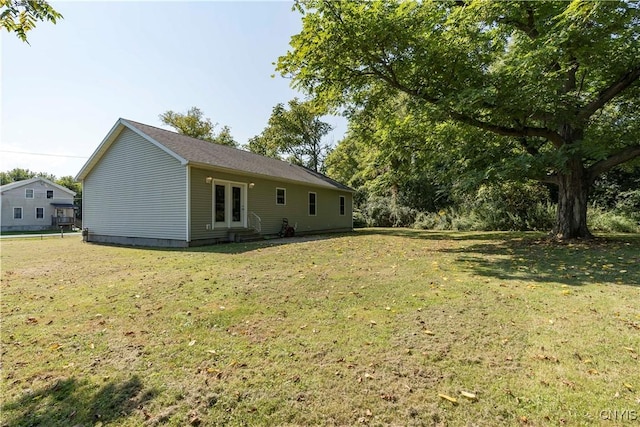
[377,327]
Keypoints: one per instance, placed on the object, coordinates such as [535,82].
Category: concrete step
[241,236]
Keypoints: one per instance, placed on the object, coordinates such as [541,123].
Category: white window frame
[342,206]
[284,196]
[41,218]
[315,203]
[21,212]
[26,193]
[47,194]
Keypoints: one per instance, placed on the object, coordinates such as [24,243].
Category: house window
[39,213]
[49,194]
[28,193]
[341,205]
[281,196]
[17,213]
[312,204]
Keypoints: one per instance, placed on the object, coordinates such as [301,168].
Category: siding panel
[136,190]
[262,200]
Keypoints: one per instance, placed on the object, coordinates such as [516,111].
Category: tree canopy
[296,132]
[20,16]
[553,86]
[19,174]
[195,125]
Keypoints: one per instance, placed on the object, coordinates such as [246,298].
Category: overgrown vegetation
[378,327]
[511,206]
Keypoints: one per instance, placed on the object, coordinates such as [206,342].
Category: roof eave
[264,176]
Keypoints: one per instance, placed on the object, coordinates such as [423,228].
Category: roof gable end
[111,137]
[27,182]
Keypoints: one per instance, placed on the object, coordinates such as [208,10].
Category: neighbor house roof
[27,182]
[196,152]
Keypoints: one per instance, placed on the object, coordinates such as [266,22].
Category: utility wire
[44,154]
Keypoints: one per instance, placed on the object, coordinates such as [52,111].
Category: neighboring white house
[35,204]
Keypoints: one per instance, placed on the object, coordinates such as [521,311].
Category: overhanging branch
[519,132]
[608,94]
[612,161]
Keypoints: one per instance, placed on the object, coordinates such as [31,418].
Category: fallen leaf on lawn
[192,342]
[55,346]
[469,395]
[449,398]
[629,349]
[628,386]
[593,371]
[428,332]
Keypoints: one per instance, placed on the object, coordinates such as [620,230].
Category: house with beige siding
[36,204]
[148,186]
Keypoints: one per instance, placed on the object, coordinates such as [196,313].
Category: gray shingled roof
[18,184]
[205,153]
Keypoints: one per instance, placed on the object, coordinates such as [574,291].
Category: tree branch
[519,132]
[609,93]
[612,161]
[527,147]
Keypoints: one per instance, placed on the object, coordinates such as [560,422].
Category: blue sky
[105,60]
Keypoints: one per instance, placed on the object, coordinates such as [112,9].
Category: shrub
[382,212]
[432,221]
[359,221]
[628,203]
[611,221]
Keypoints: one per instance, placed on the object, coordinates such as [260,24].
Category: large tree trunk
[573,193]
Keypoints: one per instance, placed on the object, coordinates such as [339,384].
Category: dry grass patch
[376,327]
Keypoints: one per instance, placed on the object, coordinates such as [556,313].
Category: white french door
[229,204]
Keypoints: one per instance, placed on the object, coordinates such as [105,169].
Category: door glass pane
[236,207]
[219,202]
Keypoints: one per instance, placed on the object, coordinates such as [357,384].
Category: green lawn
[378,327]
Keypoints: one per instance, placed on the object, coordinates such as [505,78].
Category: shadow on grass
[445,235]
[238,248]
[614,260]
[506,255]
[70,402]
